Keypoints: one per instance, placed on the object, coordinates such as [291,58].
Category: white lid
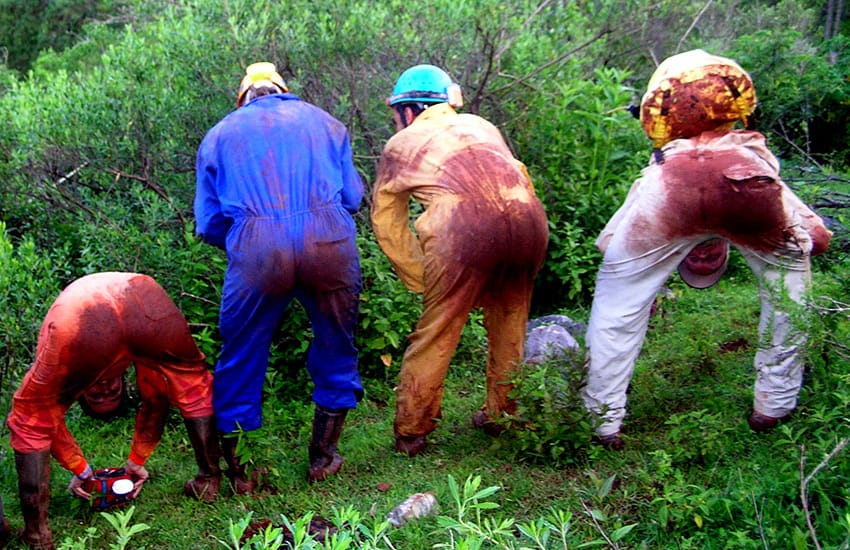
[122,486]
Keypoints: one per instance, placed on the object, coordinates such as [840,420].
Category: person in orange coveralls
[94,330]
[480,242]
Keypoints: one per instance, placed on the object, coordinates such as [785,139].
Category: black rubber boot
[204,486]
[34,490]
[324,459]
[239,480]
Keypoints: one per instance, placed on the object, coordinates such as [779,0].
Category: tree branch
[153,186]
[693,24]
[541,68]
[805,480]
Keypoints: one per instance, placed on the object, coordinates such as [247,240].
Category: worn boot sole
[320,472]
[410,445]
[761,423]
[205,490]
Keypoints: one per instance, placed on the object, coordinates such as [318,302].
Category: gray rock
[546,342]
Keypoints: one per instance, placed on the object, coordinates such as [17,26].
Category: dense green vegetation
[103,104]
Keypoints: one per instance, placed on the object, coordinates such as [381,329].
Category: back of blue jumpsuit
[276,187]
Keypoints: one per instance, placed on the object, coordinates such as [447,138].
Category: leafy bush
[30,279]
[804,99]
[584,153]
[551,424]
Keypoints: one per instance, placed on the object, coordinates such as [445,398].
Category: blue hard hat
[426,84]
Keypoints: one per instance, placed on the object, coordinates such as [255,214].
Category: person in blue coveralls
[276,189]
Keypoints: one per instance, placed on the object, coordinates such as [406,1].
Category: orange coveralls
[480,242]
[96,327]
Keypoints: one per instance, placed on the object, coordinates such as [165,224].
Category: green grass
[692,475]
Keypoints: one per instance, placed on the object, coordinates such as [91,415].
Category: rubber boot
[204,486]
[239,480]
[34,490]
[327,427]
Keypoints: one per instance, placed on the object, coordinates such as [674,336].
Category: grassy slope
[704,481]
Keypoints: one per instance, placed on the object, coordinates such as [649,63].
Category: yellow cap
[257,73]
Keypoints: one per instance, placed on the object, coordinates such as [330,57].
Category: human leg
[204,486]
[327,428]
[332,363]
[34,491]
[331,298]
[449,297]
[249,318]
[241,482]
[505,319]
[626,286]
[783,282]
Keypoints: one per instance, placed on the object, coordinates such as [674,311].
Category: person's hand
[77,481]
[140,474]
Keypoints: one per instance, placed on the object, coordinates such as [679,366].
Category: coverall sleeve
[65,449]
[211,225]
[391,223]
[152,415]
[352,185]
[811,223]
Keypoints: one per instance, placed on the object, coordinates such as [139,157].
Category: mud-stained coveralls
[718,184]
[480,242]
[95,329]
[276,187]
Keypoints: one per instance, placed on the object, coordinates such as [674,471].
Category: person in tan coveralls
[480,242]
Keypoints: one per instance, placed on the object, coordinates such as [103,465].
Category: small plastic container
[110,488]
[415,506]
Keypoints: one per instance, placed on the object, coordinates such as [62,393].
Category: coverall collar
[437,111]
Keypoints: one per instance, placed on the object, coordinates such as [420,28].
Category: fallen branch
[805,480]
[599,528]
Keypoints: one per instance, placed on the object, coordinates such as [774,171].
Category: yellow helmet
[257,73]
[693,92]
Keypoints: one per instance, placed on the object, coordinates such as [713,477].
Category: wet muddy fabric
[276,187]
[480,242]
[718,184]
[95,329]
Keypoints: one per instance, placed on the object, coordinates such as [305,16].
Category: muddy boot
[411,445]
[327,427]
[204,486]
[239,480]
[34,490]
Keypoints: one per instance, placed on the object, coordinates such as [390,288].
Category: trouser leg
[419,395]
[505,318]
[34,490]
[626,287]
[782,333]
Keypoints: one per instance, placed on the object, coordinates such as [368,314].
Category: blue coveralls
[276,187]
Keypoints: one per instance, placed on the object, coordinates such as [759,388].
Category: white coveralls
[717,184]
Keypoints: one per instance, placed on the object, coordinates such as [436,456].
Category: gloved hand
[77,481]
[139,472]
